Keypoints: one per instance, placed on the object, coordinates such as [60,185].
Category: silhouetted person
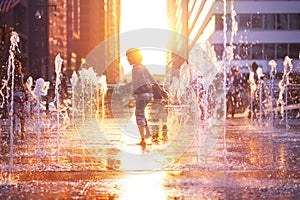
[142,82]
[235,91]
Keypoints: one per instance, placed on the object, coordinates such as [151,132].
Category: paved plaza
[243,161]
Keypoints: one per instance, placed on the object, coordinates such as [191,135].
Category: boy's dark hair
[254,66]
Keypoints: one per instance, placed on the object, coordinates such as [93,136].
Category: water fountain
[103,90]
[207,161]
[92,79]
[273,72]
[74,81]
[40,89]
[82,75]
[14,39]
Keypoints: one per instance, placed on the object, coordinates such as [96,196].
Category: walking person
[142,82]
[235,94]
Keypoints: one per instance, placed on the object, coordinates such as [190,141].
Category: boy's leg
[148,134]
[142,134]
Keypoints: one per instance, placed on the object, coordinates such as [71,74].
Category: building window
[269,22]
[229,22]
[294,50]
[269,51]
[257,50]
[257,22]
[294,22]
[281,22]
[219,22]
[261,51]
[236,52]
[262,21]
[281,50]
[219,48]
[244,51]
[244,21]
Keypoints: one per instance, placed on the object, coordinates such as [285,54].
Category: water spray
[74,81]
[273,72]
[58,67]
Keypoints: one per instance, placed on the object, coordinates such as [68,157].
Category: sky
[139,14]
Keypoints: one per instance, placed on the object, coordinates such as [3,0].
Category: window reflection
[219,50]
[261,51]
[281,50]
[282,22]
[219,22]
[294,50]
[269,51]
[269,22]
[244,21]
[257,21]
[261,21]
[257,51]
[244,51]
[294,21]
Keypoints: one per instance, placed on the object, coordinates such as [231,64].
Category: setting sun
[137,14]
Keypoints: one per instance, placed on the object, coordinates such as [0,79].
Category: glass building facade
[263,29]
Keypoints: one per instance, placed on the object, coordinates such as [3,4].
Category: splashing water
[203,77]
[83,78]
[74,81]
[40,89]
[92,81]
[203,56]
[261,91]
[14,39]
[273,72]
[58,68]
[273,65]
[103,89]
[288,68]
[234,23]
[2,94]
[283,83]
[87,87]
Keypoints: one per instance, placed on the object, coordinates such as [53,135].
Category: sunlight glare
[149,14]
[143,186]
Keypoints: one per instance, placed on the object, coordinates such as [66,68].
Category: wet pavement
[99,160]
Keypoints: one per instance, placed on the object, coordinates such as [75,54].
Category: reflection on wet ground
[244,161]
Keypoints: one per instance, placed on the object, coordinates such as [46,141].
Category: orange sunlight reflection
[143,186]
[137,14]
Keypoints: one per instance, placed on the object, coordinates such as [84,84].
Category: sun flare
[139,14]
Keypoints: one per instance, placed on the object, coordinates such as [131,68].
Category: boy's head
[134,56]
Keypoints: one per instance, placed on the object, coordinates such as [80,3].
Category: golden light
[139,14]
[143,186]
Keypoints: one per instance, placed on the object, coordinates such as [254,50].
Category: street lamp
[39,13]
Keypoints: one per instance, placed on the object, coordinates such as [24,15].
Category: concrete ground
[99,159]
